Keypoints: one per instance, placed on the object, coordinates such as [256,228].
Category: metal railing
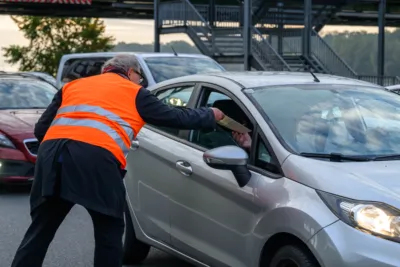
[266,53]
[328,57]
[382,80]
[228,16]
[182,13]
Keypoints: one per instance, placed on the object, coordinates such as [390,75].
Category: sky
[138,31]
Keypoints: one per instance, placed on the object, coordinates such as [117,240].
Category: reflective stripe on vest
[102,112]
[96,124]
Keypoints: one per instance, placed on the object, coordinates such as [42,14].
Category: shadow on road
[158,258]
[15,190]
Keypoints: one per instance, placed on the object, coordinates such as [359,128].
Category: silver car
[156,67]
[317,188]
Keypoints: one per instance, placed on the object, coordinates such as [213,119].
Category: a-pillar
[381,41]
[247,34]
[307,32]
[157,25]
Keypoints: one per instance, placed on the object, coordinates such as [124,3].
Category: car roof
[23,75]
[138,54]
[251,79]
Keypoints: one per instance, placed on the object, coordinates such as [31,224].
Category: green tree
[51,38]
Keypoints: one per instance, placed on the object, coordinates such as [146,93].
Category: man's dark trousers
[47,218]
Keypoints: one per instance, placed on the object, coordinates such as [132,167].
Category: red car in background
[23,98]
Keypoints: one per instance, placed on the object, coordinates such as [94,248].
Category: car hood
[15,121]
[370,181]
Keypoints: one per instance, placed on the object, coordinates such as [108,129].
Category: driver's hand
[243,140]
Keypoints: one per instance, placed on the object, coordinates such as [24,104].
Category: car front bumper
[344,246]
[16,171]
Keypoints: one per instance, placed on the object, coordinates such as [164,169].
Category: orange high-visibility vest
[101,111]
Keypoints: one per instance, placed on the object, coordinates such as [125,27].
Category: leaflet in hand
[233,125]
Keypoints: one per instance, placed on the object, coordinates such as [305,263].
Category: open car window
[221,136]
[175,97]
[76,68]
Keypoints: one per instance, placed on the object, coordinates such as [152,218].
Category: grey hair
[123,62]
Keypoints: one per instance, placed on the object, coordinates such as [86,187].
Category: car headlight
[5,142]
[371,217]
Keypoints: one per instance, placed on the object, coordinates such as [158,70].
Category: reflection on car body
[321,176]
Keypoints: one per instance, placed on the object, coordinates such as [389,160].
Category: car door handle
[135,144]
[184,167]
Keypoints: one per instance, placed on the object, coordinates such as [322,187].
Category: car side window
[221,136]
[175,97]
[264,159]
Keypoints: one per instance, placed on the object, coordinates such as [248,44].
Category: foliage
[51,38]
[360,51]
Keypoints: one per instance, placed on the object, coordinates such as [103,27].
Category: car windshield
[165,68]
[25,93]
[345,119]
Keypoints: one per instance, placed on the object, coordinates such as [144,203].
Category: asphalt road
[73,245]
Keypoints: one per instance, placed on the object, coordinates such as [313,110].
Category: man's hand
[218,114]
[243,140]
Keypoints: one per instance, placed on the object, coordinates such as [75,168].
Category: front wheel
[293,256]
[134,251]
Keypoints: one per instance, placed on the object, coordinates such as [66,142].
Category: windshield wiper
[336,157]
[388,157]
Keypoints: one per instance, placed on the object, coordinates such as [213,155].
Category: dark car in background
[44,76]
[23,98]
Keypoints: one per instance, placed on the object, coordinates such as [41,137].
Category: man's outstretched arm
[154,111]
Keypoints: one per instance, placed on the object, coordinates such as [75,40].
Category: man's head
[127,64]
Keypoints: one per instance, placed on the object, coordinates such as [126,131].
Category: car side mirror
[231,158]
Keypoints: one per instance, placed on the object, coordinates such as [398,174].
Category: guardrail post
[157,26]
[381,41]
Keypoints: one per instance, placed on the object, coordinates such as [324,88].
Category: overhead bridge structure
[261,34]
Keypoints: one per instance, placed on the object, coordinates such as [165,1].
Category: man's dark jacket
[89,175]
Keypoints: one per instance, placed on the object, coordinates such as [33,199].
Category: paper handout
[233,125]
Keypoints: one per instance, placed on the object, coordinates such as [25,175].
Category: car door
[211,216]
[151,169]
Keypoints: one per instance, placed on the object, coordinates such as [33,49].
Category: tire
[293,256]
[134,251]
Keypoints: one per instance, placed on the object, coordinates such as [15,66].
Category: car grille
[32,145]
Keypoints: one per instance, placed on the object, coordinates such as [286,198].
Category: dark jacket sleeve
[154,111]
[47,117]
